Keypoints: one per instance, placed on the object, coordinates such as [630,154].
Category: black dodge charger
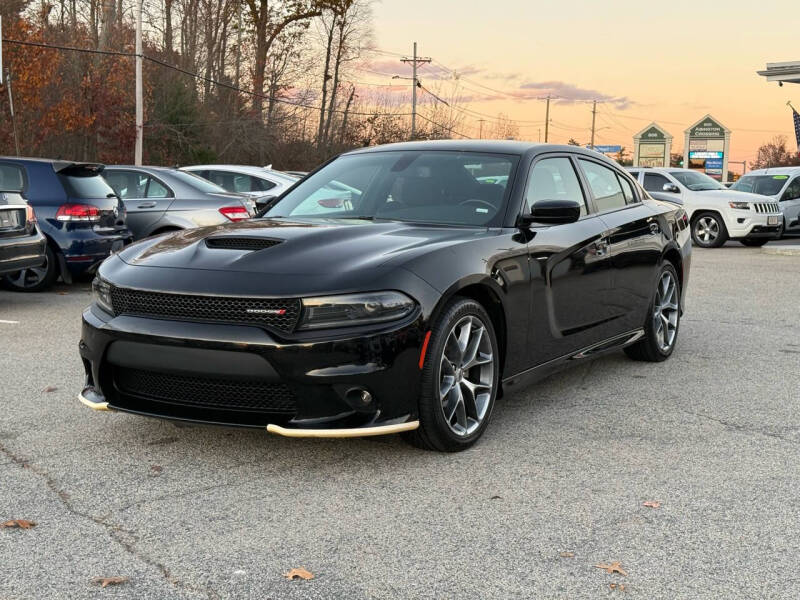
[396,289]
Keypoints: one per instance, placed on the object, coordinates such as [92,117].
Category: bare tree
[775,154]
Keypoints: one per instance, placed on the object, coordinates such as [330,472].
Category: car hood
[318,247]
[729,196]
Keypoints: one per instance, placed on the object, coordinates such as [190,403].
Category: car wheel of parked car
[708,230]
[756,243]
[663,320]
[35,279]
[460,379]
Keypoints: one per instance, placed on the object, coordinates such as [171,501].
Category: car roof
[247,169]
[774,171]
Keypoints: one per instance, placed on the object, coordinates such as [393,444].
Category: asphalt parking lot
[556,486]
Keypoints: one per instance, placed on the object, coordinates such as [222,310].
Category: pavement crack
[749,429]
[125,538]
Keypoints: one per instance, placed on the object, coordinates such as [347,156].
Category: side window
[634,174]
[155,189]
[262,185]
[792,190]
[627,190]
[554,179]
[127,184]
[653,182]
[606,189]
[11,178]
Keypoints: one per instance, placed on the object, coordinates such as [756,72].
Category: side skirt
[543,370]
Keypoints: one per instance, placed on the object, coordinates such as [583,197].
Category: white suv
[717,214]
[781,184]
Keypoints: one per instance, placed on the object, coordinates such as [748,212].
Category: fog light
[358,397]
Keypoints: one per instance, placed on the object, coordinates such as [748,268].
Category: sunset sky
[670,62]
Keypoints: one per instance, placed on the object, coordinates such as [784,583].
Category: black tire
[708,237]
[37,279]
[754,243]
[649,348]
[435,432]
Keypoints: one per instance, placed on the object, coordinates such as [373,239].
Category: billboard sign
[607,149]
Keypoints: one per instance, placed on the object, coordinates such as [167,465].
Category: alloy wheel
[707,230]
[665,313]
[29,277]
[466,376]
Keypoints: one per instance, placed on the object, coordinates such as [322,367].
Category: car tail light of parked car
[78,212]
[30,216]
[235,213]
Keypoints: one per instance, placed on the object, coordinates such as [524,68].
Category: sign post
[707,147]
[651,147]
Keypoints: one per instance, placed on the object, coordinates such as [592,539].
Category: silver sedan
[160,199]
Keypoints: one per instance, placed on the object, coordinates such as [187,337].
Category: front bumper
[746,226]
[243,376]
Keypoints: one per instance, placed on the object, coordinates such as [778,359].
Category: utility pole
[547,119]
[11,107]
[414,60]
[480,131]
[594,116]
[540,135]
[137,157]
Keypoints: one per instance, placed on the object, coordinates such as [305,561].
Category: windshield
[442,187]
[766,185]
[198,182]
[697,182]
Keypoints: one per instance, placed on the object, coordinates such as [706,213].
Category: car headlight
[354,309]
[101,292]
[740,205]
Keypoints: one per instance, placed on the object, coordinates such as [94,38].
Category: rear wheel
[460,379]
[35,279]
[708,230]
[754,243]
[663,319]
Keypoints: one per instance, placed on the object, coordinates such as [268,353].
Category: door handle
[600,247]
[146,205]
[654,228]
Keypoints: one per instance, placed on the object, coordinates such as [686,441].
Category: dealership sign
[651,147]
[707,147]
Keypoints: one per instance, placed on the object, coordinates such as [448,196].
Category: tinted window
[420,186]
[85,185]
[127,184]
[196,181]
[155,189]
[248,183]
[605,185]
[11,178]
[793,190]
[627,190]
[554,179]
[653,182]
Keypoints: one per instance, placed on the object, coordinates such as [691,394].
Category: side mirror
[671,188]
[553,212]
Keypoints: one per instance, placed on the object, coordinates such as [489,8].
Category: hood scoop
[241,243]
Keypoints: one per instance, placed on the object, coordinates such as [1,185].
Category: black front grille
[206,392]
[240,243]
[280,314]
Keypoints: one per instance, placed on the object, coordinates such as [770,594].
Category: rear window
[85,184]
[11,178]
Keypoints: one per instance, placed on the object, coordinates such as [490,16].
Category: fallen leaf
[652,504]
[614,567]
[19,523]
[50,388]
[617,586]
[567,554]
[300,573]
[64,294]
[106,581]
[156,468]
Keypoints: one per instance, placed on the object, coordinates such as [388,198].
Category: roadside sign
[606,149]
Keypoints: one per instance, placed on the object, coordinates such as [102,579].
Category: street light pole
[137,158]
[415,82]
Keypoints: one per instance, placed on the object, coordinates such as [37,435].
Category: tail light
[235,213]
[78,212]
[30,216]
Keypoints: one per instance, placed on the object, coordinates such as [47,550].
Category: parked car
[260,183]
[716,213]
[781,185]
[407,310]
[22,244]
[161,199]
[81,218]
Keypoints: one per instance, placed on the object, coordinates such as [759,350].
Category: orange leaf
[567,554]
[106,581]
[652,504]
[19,523]
[50,388]
[300,573]
[614,567]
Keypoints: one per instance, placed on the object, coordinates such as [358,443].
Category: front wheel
[460,379]
[708,230]
[663,319]
[754,243]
